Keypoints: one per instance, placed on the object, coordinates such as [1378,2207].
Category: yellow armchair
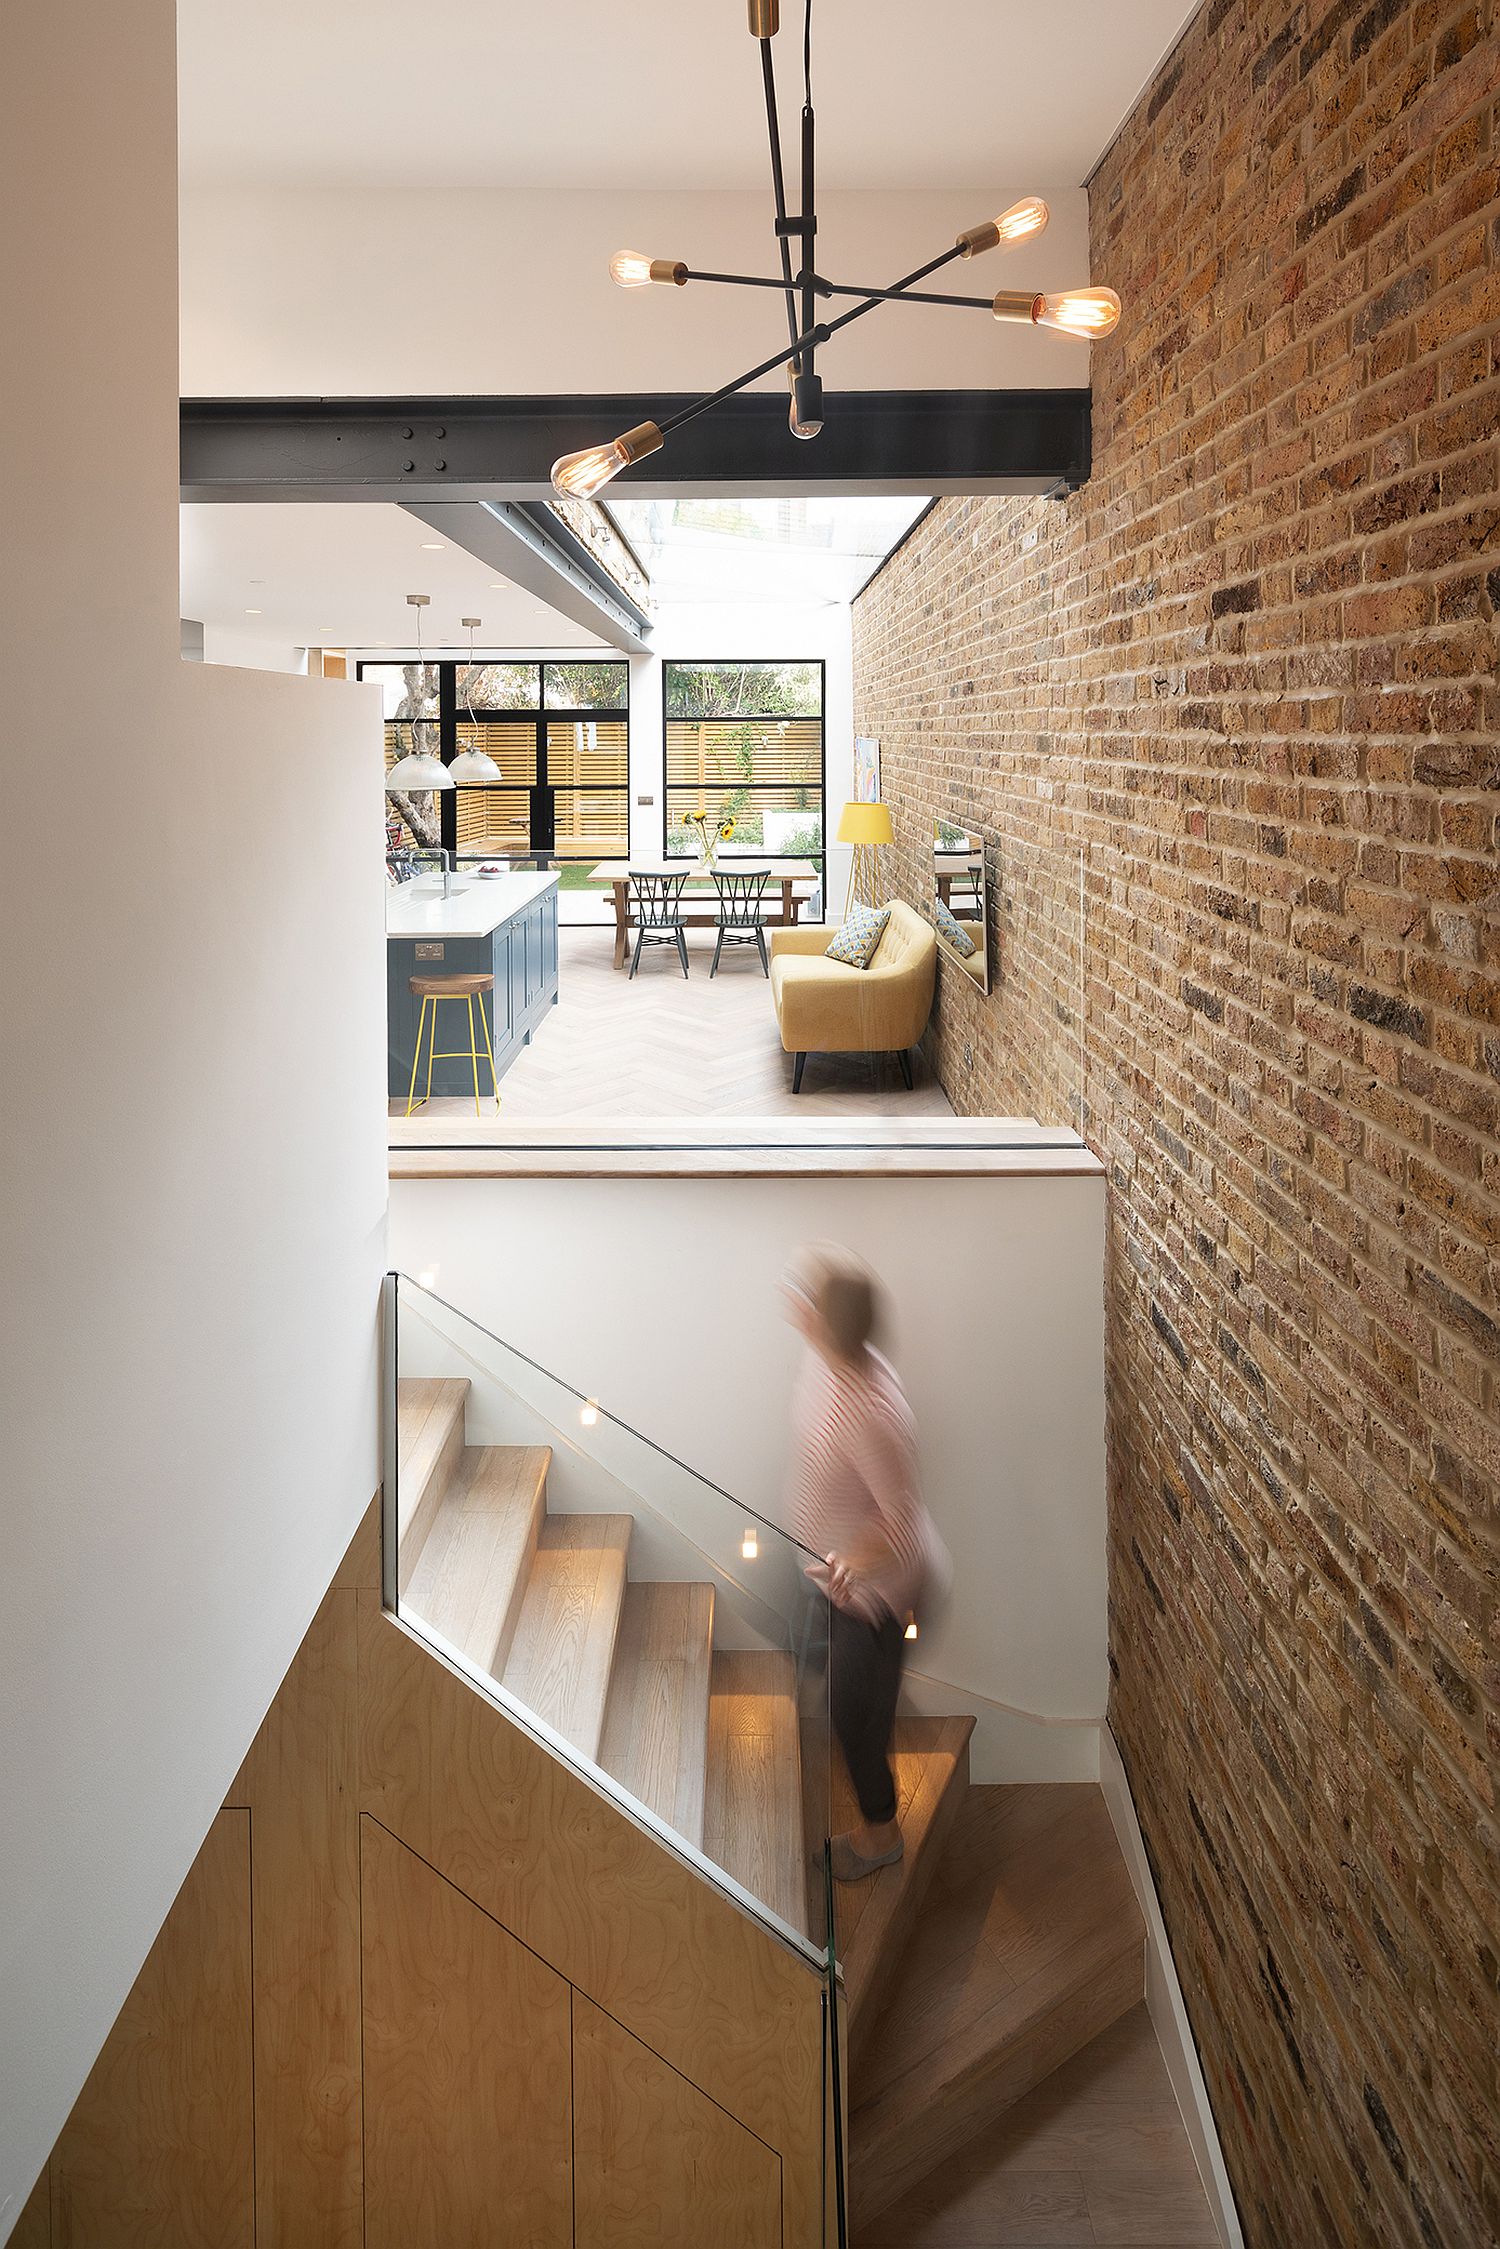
[825,1007]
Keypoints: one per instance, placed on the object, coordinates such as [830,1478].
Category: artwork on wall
[866,769]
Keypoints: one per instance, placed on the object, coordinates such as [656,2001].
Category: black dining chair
[658,914]
[741,909]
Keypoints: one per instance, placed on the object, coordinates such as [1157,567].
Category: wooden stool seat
[456,987]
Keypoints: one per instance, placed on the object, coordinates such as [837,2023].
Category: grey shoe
[849,1866]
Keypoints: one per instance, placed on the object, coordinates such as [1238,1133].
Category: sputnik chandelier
[1076,312]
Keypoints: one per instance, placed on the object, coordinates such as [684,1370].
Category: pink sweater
[854,1489]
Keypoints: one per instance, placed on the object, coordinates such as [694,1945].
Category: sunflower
[726,829]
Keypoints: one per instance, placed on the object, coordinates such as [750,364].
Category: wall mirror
[958,899]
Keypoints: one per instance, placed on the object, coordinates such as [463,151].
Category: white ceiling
[663,94]
[336,575]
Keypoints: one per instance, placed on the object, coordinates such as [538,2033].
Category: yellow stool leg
[484,1024]
[431,1048]
[416,1056]
[473,1053]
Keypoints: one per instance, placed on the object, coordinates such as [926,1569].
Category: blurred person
[855,1499]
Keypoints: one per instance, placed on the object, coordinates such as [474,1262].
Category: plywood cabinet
[658,2164]
[425,1988]
[468,2093]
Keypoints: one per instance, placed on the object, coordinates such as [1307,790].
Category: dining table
[796,880]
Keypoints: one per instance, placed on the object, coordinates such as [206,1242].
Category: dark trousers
[864,1671]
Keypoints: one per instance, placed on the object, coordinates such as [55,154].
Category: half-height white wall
[193,1197]
[662,1299]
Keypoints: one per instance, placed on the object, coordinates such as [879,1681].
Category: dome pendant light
[1087,313]
[419,769]
[472,763]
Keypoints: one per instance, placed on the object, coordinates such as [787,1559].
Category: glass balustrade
[659,1636]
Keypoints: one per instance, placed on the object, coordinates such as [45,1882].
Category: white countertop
[479,903]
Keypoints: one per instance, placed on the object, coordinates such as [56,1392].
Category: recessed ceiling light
[254,612]
[432,546]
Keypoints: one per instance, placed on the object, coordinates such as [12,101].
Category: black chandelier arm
[904,296]
[809,227]
[817,335]
[778,185]
[809,337]
[824,288]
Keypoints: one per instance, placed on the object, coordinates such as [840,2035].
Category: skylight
[804,553]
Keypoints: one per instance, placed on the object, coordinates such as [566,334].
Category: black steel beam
[531,547]
[435,449]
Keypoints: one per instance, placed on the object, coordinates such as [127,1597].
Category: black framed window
[560,734]
[744,742]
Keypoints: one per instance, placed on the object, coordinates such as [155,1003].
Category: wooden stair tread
[752,1823]
[468,1579]
[429,1444]
[564,1644]
[875,1918]
[655,1739]
[1031,1943]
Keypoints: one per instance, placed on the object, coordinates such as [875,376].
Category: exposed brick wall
[1247,675]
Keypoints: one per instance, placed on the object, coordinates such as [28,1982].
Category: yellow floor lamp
[868,828]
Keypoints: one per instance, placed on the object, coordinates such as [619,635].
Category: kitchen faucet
[440,852]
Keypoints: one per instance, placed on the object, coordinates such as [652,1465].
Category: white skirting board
[1164,2000]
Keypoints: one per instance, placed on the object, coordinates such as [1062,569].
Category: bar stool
[430,990]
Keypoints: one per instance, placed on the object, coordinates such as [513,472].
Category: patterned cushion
[958,937]
[856,942]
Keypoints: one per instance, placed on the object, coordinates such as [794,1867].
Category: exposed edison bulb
[632,269]
[749,1544]
[588,1413]
[911,1628]
[1023,219]
[1079,312]
[1020,223]
[579,474]
[586,472]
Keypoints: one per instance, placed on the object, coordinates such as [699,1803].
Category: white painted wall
[768,633]
[251,651]
[193,1099]
[364,288]
[661,1298]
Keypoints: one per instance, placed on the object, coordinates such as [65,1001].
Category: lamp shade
[417,770]
[472,764]
[865,823]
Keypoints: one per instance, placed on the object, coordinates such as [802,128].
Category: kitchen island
[501,925]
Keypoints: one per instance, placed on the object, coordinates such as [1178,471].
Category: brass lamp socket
[1017,304]
[638,442]
[765,18]
[977,238]
[669,269]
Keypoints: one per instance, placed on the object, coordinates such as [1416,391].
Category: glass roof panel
[804,552]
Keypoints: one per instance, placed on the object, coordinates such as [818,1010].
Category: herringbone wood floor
[662,1045]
